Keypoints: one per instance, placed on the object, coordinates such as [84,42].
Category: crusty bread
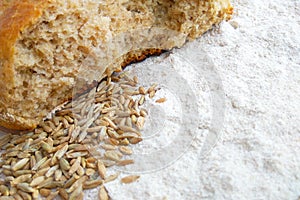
[45,45]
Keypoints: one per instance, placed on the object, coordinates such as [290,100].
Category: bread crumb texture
[46,44]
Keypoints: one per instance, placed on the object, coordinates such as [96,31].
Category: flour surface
[257,57]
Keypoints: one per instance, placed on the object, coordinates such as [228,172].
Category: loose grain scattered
[60,156]
[130,179]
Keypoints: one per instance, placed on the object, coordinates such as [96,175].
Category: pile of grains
[71,151]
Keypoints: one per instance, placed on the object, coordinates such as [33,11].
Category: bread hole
[83,49]
[130,9]
[25,84]
[59,16]
[135,8]
[112,20]
[93,40]
[44,23]
[24,94]
[32,71]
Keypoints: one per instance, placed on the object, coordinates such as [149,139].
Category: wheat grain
[4,190]
[25,187]
[102,195]
[52,195]
[37,181]
[111,177]
[101,169]
[75,166]
[125,162]
[90,184]
[76,193]
[24,195]
[20,164]
[125,150]
[45,192]
[130,179]
[63,194]
[21,179]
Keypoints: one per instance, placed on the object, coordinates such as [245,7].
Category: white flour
[257,156]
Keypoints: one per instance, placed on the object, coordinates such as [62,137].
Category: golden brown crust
[14,19]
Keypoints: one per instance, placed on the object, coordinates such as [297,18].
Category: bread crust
[17,16]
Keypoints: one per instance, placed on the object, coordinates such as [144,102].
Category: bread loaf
[47,45]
